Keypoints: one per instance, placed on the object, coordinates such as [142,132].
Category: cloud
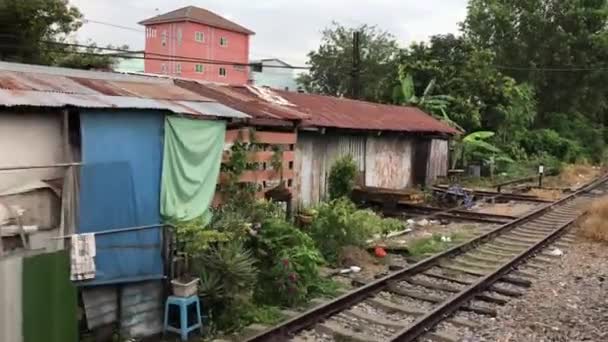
[284,28]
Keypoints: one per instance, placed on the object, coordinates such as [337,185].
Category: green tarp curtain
[191,166]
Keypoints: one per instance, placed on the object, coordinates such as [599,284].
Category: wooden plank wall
[265,176]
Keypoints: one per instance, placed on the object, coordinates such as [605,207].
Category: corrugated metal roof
[241,99]
[320,111]
[14,98]
[327,111]
[197,15]
[41,86]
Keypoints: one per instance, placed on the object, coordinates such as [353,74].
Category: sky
[285,29]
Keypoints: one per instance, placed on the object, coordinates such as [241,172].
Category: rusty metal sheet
[327,111]
[16,98]
[240,98]
[141,89]
[67,72]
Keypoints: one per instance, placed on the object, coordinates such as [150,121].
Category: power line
[551,69]
[165,57]
[86,21]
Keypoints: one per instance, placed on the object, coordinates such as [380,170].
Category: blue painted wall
[120,187]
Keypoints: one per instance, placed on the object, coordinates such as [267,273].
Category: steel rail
[283,331]
[438,314]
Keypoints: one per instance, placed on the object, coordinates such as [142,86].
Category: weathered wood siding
[315,155]
[437,164]
[388,162]
[383,161]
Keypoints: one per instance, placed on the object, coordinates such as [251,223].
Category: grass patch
[434,244]
[264,314]
[594,225]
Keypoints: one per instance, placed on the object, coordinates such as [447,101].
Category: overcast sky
[286,29]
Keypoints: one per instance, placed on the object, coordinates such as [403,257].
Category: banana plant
[476,145]
[436,105]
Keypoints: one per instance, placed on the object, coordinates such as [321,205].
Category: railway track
[443,297]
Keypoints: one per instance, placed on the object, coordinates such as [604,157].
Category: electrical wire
[160,57]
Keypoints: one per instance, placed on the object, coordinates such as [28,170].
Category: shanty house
[395,147]
[95,152]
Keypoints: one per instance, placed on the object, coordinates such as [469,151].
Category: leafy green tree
[331,63]
[30,31]
[535,40]
[455,67]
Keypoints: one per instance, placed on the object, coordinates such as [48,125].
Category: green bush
[289,261]
[339,223]
[228,276]
[548,141]
[342,177]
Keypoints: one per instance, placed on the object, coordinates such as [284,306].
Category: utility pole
[356,70]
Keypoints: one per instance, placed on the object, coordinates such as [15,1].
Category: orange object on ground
[380,252]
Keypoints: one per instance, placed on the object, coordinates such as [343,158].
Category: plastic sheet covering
[120,185]
[191,165]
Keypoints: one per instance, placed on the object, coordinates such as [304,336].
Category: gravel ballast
[568,302]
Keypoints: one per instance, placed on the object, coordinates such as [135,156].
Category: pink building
[195,33]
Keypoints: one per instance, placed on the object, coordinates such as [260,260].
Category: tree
[476,94]
[530,36]
[436,105]
[331,63]
[32,32]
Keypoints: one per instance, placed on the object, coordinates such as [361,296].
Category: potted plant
[306,216]
[184,285]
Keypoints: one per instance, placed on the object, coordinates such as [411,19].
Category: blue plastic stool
[183,304]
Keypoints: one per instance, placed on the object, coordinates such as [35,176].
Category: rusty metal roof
[197,15]
[327,111]
[39,86]
[241,99]
[318,110]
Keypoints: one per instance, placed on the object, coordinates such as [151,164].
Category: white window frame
[163,68]
[179,36]
[225,72]
[199,36]
[223,42]
[199,68]
[178,68]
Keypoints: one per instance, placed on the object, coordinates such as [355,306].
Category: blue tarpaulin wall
[119,188]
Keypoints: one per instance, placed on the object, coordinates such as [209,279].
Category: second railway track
[439,298]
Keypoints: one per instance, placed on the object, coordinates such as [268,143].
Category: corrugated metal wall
[119,188]
[37,299]
[388,162]
[437,164]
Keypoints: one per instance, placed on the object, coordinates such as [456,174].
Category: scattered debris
[352,269]
[380,252]
[556,252]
